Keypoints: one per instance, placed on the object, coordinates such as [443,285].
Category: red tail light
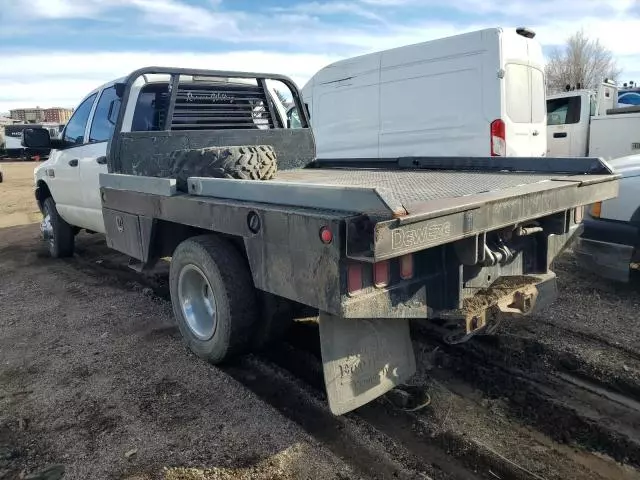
[406,267]
[381,274]
[354,277]
[498,139]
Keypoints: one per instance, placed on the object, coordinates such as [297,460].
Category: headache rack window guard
[255,111]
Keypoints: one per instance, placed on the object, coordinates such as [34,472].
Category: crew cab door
[63,172]
[94,160]
[568,125]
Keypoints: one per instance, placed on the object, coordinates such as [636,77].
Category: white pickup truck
[582,123]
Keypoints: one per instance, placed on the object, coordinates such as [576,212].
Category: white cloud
[70,76]
[304,27]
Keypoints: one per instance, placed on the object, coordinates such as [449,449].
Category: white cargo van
[475,94]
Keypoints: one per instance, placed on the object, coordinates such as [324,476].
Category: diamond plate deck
[415,186]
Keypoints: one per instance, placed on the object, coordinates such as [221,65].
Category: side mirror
[120,89]
[36,138]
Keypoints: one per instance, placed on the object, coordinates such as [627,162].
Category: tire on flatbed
[61,235]
[251,162]
[213,297]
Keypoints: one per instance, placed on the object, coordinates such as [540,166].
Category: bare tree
[582,61]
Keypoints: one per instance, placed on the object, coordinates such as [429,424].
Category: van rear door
[524,109]
[525,122]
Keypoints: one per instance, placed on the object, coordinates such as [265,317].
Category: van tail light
[354,277]
[381,274]
[498,139]
[406,267]
[596,209]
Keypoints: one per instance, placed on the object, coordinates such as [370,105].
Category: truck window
[104,117]
[151,108]
[74,131]
[563,111]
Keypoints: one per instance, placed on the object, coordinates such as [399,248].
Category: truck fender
[42,192]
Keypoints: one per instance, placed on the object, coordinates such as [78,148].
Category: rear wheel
[213,297]
[58,234]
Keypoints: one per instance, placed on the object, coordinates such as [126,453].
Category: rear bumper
[607,248]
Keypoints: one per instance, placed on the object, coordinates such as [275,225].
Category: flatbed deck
[413,187]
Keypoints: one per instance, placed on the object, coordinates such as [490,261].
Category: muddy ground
[94,381]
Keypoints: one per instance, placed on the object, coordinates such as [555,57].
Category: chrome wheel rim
[47,228]
[197,302]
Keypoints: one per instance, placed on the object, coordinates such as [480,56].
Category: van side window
[538,97]
[518,93]
[563,111]
[74,131]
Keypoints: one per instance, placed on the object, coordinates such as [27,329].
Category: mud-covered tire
[257,162]
[227,279]
[61,244]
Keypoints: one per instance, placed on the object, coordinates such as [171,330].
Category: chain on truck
[201,166]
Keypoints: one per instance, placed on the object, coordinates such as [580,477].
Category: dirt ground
[16,194]
[95,383]
[93,377]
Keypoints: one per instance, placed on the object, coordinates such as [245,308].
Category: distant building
[39,115]
[28,115]
[57,115]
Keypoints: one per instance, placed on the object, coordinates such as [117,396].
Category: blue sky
[55,51]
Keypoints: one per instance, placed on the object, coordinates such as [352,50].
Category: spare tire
[255,162]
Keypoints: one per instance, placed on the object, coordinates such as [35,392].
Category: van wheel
[56,232]
[213,297]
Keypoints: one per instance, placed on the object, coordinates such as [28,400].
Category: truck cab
[79,153]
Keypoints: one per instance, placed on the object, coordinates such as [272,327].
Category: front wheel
[56,232]
[213,297]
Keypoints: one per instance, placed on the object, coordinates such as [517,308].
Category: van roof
[472,38]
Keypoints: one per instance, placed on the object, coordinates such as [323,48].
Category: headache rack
[214,106]
[197,108]
[196,99]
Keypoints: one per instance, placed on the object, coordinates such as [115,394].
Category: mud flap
[363,359]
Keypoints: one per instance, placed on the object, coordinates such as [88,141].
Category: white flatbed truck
[367,244]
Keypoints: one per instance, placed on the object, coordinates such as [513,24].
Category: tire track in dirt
[568,410]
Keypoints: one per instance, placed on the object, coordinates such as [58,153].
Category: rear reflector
[354,277]
[498,139]
[326,235]
[406,267]
[596,209]
[381,274]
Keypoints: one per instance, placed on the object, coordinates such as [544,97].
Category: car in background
[610,242]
